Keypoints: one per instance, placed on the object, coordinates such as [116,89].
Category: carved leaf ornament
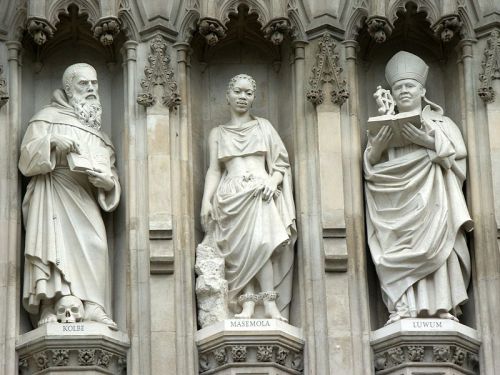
[491,68]
[159,73]
[326,69]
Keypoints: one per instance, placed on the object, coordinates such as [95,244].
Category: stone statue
[248,209]
[415,209]
[71,163]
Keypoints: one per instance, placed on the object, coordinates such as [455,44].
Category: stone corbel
[212,30]
[491,68]
[40,30]
[379,28]
[159,73]
[106,29]
[276,29]
[447,27]
[327,70]
[4,97]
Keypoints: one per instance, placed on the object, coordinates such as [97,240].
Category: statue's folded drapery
[66,246]
[416,217]
[249,230]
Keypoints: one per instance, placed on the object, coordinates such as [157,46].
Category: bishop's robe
[416,217]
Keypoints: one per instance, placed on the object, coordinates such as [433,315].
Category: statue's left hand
[101,180]
[417,136]
[269,189]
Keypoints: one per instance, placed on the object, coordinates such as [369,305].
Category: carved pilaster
[4,97]
[379,28]
[40,30]
[276,30]
[326,69]
[159,73]
[491,67]
[212,30]
[106,29]
[447,27]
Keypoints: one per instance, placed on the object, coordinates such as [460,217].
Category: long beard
[89,112]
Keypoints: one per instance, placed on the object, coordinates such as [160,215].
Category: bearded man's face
[83,96]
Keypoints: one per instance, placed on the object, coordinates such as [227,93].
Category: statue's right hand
[380,142]
[64,144]
[206,214]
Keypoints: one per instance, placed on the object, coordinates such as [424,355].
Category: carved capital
[379,28]
[4,97]
[106,29]
[491,67]
[447,27]
[327,69]
[212,30]
[159,73]
[40,30]
[276,30]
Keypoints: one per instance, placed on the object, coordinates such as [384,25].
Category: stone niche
[262,346]
[425,345]
[93,346]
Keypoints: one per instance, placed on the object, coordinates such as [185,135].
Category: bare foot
[96,313]
[247,312]
[47,316]
[273,312]
[393,319]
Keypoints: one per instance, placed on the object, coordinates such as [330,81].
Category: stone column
[10,217]
[310,256]
[485,245]
[355,227]
[183,222]
[137,222]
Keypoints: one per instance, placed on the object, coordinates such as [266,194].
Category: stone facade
[163,68]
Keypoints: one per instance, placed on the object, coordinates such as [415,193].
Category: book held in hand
[396,123]
[89,159]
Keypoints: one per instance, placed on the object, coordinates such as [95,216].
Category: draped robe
[416,217]
[66,249]
[249,231]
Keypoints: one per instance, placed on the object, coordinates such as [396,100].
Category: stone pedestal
[250,346]
[426,346]
[72,348]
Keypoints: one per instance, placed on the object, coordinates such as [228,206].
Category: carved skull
[69,309]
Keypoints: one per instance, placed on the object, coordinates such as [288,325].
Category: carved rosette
[426,356]
[40,30]
[447,27]
[159,73]
[491,67]
[212,30]
[276,30]
[106,29]
[250,354]
[62,358]
[379,28]
[4,97]
[327,69]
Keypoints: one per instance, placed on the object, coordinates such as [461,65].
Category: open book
[396,123]
[90,158]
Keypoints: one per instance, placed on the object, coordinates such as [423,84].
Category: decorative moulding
[447,27]
[491,67]
[326,69]
[40,30]
[212,30]
[412,346]
[159,73]
[106,29]
[4,97]
[379,28]
[248,346]
[276,30]
[72,347]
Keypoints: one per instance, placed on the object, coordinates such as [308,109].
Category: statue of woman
[415,208]
[248,202]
